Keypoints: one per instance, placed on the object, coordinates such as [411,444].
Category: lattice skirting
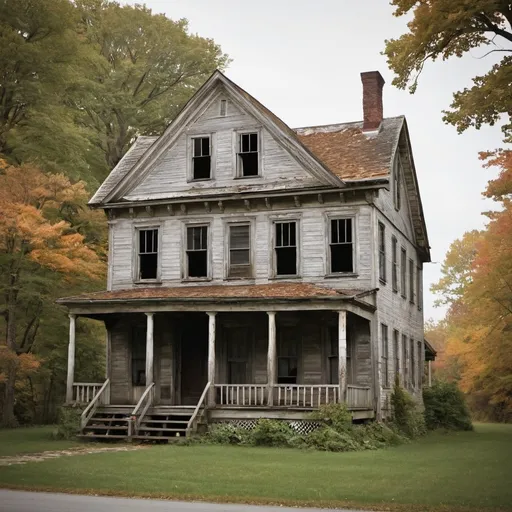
[300,426]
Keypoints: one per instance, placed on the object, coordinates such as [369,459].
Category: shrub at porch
[68,425]
[407,419]
[445,407]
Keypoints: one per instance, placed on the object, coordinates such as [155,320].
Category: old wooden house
[256,270]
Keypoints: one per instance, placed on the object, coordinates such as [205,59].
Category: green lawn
[16,441]
[469,470]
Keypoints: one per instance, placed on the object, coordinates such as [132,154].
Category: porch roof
[271,291]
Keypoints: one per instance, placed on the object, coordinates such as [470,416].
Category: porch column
[342,354]
[149,349]
[272,359]
[211,357]
[71,359]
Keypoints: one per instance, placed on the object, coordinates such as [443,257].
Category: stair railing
[145,402]
[190,423]
[98,399]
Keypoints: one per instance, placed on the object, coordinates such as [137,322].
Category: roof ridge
[344,123]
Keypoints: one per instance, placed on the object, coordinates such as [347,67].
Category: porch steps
[107,423]
[164,423]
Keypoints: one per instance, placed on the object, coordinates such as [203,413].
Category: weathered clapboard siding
[170,177]
[313,226]
[120,379]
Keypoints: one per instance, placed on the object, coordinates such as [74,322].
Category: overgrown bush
[272,433]
[335,415]
[406,416]
[68,425]
[445,407]
[227,434]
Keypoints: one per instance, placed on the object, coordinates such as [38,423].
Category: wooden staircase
[108,423]
[163,423]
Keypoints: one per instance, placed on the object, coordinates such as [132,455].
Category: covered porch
[238,355]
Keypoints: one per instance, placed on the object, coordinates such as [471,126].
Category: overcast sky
[302,60]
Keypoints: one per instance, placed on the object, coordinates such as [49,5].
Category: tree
[38,251]
[41,60]
[149,68]
[452,28]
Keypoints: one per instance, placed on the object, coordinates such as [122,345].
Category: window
[201,158]
[286,248]
[403,272]
[385,355]
[405,360]
[341,246]
[412,367]
[147,254]
[419,367]
[240,251]
[411,281]
[396,348]
[394,263]
[397,199]
[248,155]
[382,252]
[287,356]
[139,356]
[419,287]
[197,251]
[223,108]
[333,357]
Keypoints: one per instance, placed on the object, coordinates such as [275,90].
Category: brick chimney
[372,100]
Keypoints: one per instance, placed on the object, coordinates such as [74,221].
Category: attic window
[223,107]
[248,155]
[201,158]
[148,254]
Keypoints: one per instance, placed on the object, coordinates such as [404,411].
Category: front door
[194,358]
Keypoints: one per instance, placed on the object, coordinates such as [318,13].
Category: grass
[17,441]
[459,471]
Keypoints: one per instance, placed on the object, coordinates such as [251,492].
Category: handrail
[89,411]
[140,415]
[198,406]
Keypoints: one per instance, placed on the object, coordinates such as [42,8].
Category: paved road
[17,501]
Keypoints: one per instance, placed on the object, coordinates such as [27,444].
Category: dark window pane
[348,224]
[142,241]
[248,164]
[202,167]
[197,264]
[197,147]
[342,258]
[333,370]
[286,261]
[254,141]
[205,143]
[148,266]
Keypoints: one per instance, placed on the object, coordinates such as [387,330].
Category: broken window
[411,281]
[382,252]
[197,251]
[248,154]
[148,253]
[287,356]
[341,246]
[403,271]
[394,260]
[240,251]
[286,248]
[201,158]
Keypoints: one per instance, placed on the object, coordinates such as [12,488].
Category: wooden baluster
[243,395]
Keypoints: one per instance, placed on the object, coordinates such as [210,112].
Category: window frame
[412,294]
[145,225]
[384,339]
[228,223]
[184,249]
[330,216]
[236,145]
[394,264]
[190,155]
[403,272]
[298,244]
[381,243]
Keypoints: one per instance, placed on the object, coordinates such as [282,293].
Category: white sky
[302,60]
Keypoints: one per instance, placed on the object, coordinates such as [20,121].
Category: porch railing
[241,394]
[359,397]
[100,398]
[302,395]
[84,392]
[140,410]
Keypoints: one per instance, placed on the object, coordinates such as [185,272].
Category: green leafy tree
[441,29]
[149,67]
